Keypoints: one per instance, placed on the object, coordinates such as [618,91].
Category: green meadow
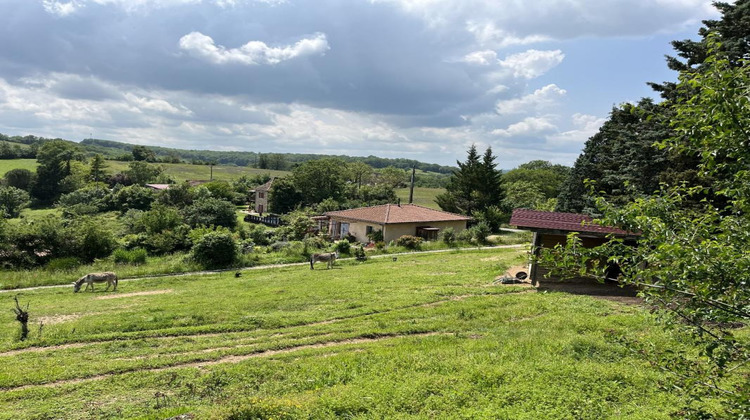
[424,197]
[7,165]
[422,336]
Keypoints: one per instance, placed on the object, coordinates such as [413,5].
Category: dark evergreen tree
[621,158]
[98,171]
[474,186]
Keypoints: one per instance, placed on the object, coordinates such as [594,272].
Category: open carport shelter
[552,228]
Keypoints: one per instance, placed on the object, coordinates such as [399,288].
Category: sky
[415,79]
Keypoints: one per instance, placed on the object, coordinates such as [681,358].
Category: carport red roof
[569,222]
[393,213]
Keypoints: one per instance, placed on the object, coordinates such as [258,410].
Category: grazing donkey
[329,257]
[109,277]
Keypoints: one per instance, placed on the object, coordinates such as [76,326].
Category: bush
[493,216]
[359,254]
[216,249]
[480,232]
[133,197]
[448,236]
[376,236]
[91,240]
[342,247]
[134,256]
[211,212]
[259,234]
[93,198]
[465,235]
[12,201]
[63,264]
[409,242]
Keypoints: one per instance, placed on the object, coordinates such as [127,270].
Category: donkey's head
[77,284]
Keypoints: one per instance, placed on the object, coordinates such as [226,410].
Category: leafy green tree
[359,173]
[19,178]
[692,258]
[98,170]
[55,160]
[474,186]
[319,179]
[12,201]
[284,196]
[143,153]
[211,212]
[133,197]
[177,195]
[523,194]
[545,176]
[93,198]
[392,177]
[141,172]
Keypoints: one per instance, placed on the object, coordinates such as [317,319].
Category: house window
[368,230]
[344,229]
[261,195]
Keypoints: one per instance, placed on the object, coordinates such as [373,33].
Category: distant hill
[279,161]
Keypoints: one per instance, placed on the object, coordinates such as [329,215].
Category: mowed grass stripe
[230,358]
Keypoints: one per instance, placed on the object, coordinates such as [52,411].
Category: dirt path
[266,267]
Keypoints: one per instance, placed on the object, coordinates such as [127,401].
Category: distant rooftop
[394,213]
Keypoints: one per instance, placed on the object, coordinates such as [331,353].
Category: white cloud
[585,126]
[146,104]
[525,22]
[65,8]
[528,127]
[532,63]
[481,58]
[252,53]
[488,34]
[61,8]
[540,99]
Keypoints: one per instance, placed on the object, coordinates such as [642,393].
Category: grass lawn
[8,164]
[426,336]
[185,171]
[422,196]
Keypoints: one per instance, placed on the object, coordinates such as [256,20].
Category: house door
[260,209]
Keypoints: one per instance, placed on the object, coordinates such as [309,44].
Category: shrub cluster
[409,241]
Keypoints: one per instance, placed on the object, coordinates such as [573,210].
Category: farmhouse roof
[393,213]
[569,222]
[265,187]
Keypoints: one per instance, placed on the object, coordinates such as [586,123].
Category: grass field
[422,196]
[185,171]
[8,164]
[180,171]
[426,336]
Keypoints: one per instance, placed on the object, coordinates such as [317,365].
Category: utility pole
[411,188]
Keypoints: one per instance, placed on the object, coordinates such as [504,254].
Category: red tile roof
[569,222]
[393,213]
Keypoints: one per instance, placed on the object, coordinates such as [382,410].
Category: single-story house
[260,194]
[552,228]
[394,220]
